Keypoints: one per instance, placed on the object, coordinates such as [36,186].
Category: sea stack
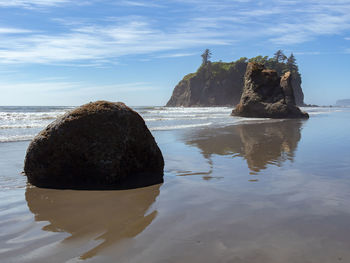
[100,145]
[266,95]
[221,83]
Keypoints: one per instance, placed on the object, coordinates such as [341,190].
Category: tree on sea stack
[279,56]
[291,63]
[206,56]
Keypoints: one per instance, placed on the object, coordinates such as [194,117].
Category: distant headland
[343,103]
[221,83]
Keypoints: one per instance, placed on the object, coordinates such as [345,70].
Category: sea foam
[23,123]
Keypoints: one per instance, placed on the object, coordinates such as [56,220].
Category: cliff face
[214,84]
[298,92]
[220,84]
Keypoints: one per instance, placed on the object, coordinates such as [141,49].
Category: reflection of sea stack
[271,143]
[109,216]
[266,95]
[260,144]
[98,145]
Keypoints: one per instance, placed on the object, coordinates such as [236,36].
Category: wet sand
[276,191]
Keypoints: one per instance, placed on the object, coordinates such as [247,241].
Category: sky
[70,52]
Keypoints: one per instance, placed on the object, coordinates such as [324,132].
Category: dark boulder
[96,146]
[266,95]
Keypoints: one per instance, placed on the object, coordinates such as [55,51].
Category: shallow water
[238,191]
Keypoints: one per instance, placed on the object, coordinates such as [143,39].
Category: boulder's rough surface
[266,95]
[96,146]
[220,84]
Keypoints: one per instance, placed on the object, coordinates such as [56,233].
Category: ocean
[235,190]
[22,123]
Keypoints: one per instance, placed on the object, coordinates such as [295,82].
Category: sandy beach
[265,191]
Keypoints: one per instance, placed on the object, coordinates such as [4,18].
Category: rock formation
[209,86]
[98,145]
[221,84]
[266,95]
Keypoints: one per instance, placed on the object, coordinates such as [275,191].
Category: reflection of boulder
[260,143]
[108,216]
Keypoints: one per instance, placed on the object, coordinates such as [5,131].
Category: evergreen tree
[206,56]
[259,59]
[279,56]
[291,63]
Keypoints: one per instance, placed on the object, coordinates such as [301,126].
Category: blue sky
[65,52]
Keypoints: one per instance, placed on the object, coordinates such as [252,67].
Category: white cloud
[176,55]
[282,22]
[307,53]
[62,92]
[303,21]
[195,24]
[309,28]
[103,43]
[55,84]
[148,4]
[8,30]
[260,12]
[43,86]
[30,3]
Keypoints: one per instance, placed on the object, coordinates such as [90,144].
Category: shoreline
[263,192]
